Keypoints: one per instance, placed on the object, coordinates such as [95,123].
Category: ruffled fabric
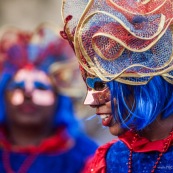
[121,40]
[52,155]
[143,144]
[59,143]
[97,164]
[113,156]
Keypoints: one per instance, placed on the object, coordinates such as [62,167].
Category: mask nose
[27,94]
[95,98]
[89,100]
[28,90]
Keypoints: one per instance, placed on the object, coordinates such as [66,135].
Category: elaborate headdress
[44,49]
[125,40]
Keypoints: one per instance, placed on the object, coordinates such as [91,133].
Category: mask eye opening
[96,84]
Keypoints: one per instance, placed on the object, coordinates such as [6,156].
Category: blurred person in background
[39,132]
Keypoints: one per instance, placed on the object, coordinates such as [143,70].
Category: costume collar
[57,143]
[142,144]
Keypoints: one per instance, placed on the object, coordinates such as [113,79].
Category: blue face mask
[95,83]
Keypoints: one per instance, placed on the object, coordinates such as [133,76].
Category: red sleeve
[97,163]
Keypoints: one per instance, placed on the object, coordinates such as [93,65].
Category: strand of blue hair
[149,101]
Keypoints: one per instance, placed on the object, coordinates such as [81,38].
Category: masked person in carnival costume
[39,132]
[125,49]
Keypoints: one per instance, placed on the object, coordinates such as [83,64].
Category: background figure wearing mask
[39,132]
[125,49]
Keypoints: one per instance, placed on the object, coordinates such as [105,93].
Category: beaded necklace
[166,145]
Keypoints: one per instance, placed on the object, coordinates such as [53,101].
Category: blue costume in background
[67,150]
[55,154]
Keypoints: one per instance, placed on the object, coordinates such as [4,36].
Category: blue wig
[64,114]
[148,102]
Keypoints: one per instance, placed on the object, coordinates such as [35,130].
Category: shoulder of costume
[97,163]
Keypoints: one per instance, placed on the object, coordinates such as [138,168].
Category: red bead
[160,154]
[158,158]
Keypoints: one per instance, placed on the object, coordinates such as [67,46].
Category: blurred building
[28,13]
